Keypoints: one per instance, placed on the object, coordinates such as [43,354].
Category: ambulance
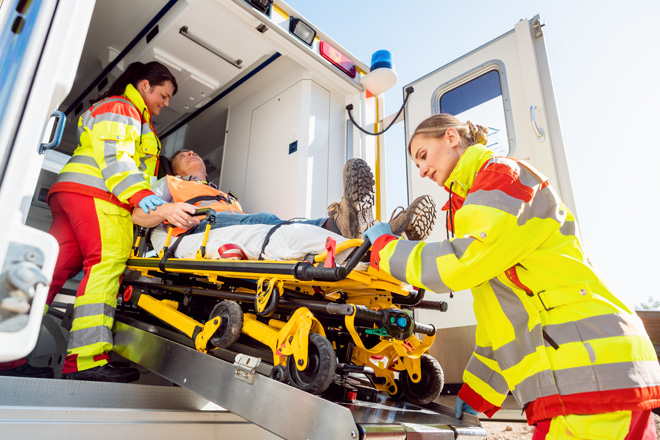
[275,107]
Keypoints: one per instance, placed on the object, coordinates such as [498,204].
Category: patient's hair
[437,125]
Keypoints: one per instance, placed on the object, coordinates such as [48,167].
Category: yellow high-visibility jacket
[549,330]
[117,153]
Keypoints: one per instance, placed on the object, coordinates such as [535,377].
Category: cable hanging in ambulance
[349,107]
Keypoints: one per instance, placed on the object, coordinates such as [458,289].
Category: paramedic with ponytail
[549,330]
[109,173]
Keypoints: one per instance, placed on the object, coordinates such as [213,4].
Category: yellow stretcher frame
[367,288]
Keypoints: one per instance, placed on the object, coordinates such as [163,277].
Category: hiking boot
[354,214]
[27,370]
[105,373]
[416,221]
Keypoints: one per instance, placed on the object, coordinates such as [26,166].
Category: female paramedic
[91,202]
[575,357]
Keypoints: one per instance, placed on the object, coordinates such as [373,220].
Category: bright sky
[606,74]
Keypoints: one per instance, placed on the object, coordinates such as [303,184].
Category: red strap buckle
[330,246]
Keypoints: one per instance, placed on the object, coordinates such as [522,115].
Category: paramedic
[108,174]
[349,218]
[575,357]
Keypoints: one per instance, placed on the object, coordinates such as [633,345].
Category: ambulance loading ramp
[282,409]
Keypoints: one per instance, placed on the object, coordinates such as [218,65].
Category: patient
[190,190]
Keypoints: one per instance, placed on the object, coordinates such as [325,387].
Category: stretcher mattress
[287,242]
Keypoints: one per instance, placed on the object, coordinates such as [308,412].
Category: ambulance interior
[263,109]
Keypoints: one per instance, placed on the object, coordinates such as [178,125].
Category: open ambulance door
[39,54]
[506,86]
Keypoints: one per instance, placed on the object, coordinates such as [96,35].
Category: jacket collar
[462,177]
[134,96]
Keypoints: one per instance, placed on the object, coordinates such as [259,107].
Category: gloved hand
[462,407]
[376,231]
[151,203]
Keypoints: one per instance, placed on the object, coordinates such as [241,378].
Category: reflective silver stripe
[146,128]
[399,259]
[83,179]
[114,117]
[495,199]
[126,183]
[537,385]
[605,377]
[543,205]
[89,336]
[83,160]
[143,162]
[116,168]
[525,175]
[110,153]
[430,276]
[526,343]
[486,352]
[568,228]
[93,309]
[460,245]
[488,375]
[593,327]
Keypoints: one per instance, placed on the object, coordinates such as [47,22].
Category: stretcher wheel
[430,385]
[321,364]
[279,373]
[231,325]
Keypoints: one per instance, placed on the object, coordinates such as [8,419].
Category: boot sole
[360,179]
[423,220]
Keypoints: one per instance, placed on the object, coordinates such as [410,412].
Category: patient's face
[187,163]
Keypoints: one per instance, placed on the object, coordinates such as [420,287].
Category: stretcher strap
[170,252]
[270,233]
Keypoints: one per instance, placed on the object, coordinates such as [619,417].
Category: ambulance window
[480,100]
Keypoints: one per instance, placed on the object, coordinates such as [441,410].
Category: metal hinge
[537,25]
[245,367]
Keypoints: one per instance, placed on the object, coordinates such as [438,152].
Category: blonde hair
[437,125]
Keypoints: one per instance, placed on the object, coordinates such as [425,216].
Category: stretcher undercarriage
[343,332]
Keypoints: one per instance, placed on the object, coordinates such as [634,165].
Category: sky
[605,70]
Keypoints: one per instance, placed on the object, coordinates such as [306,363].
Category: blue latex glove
[376,231]
[462,407]
[151,203]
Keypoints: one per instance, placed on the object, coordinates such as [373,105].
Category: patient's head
[188,163]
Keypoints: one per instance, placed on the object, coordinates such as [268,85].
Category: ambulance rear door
[506,86]
[40,46]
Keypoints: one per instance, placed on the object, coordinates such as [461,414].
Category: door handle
[540,134]
[60,120]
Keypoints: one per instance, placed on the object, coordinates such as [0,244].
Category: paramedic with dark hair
[189,190]
[575,357]
[92,200]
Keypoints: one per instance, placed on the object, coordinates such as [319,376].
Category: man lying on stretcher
[182,194]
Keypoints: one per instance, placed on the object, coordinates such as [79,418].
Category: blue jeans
[223,219]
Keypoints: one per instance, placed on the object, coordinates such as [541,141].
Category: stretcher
[320,320]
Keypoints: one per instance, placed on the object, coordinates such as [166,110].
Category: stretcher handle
[305,271]
[382,318]
[357,255]
[441,306]
[208,212]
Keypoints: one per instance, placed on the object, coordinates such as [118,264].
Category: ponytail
[437,125]
[154,72]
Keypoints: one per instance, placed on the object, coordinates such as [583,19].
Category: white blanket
[288,242]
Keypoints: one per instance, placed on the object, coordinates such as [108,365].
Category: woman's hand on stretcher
[177,214]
